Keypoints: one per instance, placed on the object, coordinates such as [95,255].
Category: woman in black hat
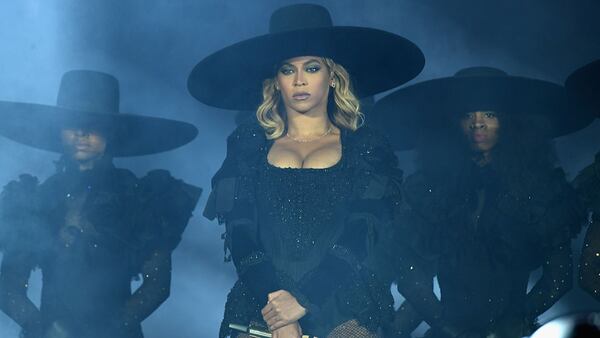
[306,193]
[487,205]
[91,228]
[583,87]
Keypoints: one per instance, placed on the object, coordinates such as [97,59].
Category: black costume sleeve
[415,259]
[14,278]
[232,202]
[414,279]
[587,185]
[561,222]
[165,207]
[19,235]
[155,289]
[556,280]
[589,273]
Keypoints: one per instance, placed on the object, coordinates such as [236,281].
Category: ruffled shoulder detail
[243,146]
[535,218]
[373,165]
[19,226]
[247,136]
[560,211]
[426,217]
[372,150]
[166,205]
[376,196]
[428,200]
[238,171]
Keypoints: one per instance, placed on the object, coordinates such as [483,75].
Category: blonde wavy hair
[344,111]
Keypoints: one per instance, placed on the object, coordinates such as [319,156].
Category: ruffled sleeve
[22,238]
[561,216]
[20,227]
[232,202]
[550,207]
[377,191]
[166,205]
[420,217]
[232,180]
[565,211]
[418,243]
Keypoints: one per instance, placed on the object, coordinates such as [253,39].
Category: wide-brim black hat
[232,77]
[89,99]
[423,107]
[583,88]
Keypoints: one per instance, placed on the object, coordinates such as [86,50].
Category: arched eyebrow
[304,63]
[311,61]
[286,64]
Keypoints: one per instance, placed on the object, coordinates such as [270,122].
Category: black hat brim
[40,126]
[232,77]
[583,88]
[421,108]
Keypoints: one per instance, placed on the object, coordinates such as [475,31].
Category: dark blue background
[152,45]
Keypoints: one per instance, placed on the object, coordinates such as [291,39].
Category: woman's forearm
[14,278]
[556,280]
[155,289]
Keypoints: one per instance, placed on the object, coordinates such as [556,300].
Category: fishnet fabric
[351,329]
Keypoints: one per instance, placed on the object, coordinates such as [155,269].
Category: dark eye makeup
[312,68]
[286,70]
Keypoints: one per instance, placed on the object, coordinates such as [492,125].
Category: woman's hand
[290,331]
[281,310]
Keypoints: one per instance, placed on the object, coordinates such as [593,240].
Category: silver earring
[332,84]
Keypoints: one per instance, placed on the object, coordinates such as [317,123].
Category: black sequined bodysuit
[297,215]
[90,233]
[311,232]
[482,238]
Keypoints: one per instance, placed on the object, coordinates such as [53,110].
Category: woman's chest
[317,155]
[89,219]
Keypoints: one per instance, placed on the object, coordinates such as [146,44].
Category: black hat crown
[89,91]
[299,16]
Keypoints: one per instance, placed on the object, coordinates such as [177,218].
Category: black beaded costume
[483,237]
[587,184]
[91,232]
[312,232]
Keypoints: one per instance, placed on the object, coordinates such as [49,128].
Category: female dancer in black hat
[306,193]
[584,88]
[90,227]
[487,205]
